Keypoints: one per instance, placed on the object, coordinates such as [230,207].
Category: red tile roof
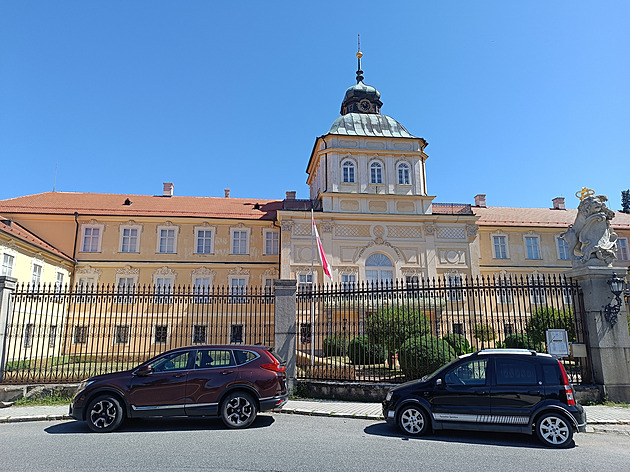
[67,203]
[13,229]
[510,216]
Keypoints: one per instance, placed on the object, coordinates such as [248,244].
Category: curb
[24,419]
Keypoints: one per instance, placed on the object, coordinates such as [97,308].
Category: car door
[161,391]
[214,370]
[464,393]
[517,389]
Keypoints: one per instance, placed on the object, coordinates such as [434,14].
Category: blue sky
[524,101]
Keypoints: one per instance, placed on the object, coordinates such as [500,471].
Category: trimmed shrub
[362,351]
[423,355]
[521,341]
[335,345]
[458,342]
[392,326]
[550,318]
[484,332]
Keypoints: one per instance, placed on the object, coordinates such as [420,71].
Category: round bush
[521,341]
[363,352]
[423,355]
[458,342]
[335,345]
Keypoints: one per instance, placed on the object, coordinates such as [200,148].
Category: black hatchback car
[230,382]
[506,390]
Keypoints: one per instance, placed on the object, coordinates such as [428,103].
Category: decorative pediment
[378,242]
[127,270]
[88,270]
[165,272]
[238,271]
[203,272]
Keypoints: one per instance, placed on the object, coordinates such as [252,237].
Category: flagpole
[312,287]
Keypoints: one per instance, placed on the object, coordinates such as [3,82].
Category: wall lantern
[616,287]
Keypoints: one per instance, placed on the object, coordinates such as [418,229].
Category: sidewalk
[600,418]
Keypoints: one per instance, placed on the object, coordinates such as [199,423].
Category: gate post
[7,286]
[285,326]
[609,344]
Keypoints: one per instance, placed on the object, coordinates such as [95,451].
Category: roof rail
[528,352]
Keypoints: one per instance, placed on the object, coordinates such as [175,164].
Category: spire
[361,98]
[359,56]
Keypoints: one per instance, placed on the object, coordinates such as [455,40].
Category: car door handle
[534,392]
[225,372]
[482,392]
[177,376]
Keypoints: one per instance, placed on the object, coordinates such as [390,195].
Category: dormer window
[403,174]
[376,173]
[348,172]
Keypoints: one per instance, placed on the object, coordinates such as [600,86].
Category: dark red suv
[231,382]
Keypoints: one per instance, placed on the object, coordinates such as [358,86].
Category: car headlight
[388,397]
[85,384]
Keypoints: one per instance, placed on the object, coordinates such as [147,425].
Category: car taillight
[567,386]
[274,365]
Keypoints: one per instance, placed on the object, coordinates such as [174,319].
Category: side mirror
[439,383]
[144,370]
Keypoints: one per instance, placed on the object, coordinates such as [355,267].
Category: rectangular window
[163,289]
[36,276]
[237,334]
[458,328]
[305,284]
[508,329]
[80,335]
[202,290]
[563,249]
[515,372]
[454,294]
[121,334]
[91,239]
[204,241]
[305,333]
[348,282]
[272,239]
[348,173]
[622,249]
[238,286]
[167,241]
[129,240]
[7,265]
[200,334]
[126,289]
[52,339]
[504,294]
[239,242]
[59,282]
[160,334]
[500,247]
[532,244]
[29,331]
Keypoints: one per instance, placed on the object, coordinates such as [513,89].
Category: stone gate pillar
[609,344]
[7,286]
[285,322]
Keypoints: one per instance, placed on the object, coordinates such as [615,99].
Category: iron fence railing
[56,335]
[392,332]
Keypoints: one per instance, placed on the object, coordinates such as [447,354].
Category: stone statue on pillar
[591,240]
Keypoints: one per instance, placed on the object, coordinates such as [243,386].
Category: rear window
[242,356]
[516,372]
[552,374]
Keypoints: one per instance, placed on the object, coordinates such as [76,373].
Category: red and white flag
[322,255]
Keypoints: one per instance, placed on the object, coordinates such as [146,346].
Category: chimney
[558,203]
[290,195]
[168,189]
[480,200]
[227,192]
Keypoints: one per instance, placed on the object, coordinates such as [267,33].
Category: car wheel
[238,410]
[104,414]
[413,420]
[554,430]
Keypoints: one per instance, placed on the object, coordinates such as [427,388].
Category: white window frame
[537,295]
[272,238]
[238,291]
[493,244]
[305,282]
[403,171]
[376,173]
[561,246]
[622,250]
[202,290]
[348,282]
[130,228]
[167,237]
[455,292]
[348,171]
[233,232]
[535,248]
[205,229]
[94,247]
[29,334]
[37,271]
[162,294]
[8,262]
[126,286]
[504,294]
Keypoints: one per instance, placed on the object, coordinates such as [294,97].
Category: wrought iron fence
[393,332]
[56,335]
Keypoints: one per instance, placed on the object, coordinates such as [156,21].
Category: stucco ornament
[591,239]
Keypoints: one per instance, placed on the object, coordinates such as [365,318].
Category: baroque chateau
[368,196]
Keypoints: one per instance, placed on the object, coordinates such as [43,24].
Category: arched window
[379,268]
[403,174]
[348,172]
[376,173]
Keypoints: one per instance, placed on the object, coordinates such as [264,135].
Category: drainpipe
[74,249]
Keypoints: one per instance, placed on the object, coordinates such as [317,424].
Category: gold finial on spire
[359,56]
[585,192]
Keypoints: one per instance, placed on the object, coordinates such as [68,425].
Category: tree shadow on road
[136,425]
[466,437]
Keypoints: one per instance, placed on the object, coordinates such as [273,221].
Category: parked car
[231,382]
[506,390]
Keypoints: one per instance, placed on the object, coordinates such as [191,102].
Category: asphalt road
[281,442]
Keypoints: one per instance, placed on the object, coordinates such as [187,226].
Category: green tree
[625,201]
[484,332]
[545,318]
